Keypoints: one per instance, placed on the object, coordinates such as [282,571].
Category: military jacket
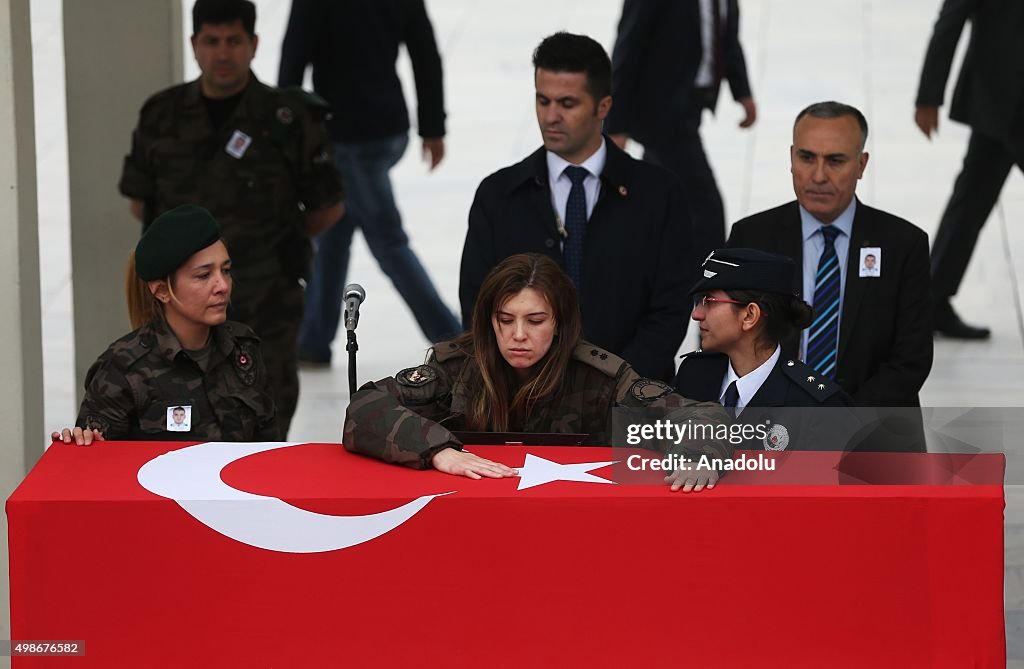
[408,418]
[270,160]
[132,389]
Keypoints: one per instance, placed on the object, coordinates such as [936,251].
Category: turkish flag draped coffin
[302,555]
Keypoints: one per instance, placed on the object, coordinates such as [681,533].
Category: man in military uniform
[260,160]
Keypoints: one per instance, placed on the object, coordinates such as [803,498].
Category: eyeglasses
[705,300]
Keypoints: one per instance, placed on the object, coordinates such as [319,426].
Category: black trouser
[986,165]
[682,152]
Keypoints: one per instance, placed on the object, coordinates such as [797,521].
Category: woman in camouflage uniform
[186,373]
[522,367]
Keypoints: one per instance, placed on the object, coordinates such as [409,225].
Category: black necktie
[731,397]
[575,224]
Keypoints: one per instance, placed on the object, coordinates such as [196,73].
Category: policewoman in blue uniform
[744,307]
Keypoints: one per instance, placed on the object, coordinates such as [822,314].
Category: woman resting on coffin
[521,367]
[186,372]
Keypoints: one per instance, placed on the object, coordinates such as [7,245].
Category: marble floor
[864,52]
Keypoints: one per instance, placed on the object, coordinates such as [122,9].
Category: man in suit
[619,227]
[352,46]
[989,97]
[872,329]
[669,62]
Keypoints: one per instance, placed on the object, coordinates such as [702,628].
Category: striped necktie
[823,337]
[575,224]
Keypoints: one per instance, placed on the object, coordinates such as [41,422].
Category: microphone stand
[351,347]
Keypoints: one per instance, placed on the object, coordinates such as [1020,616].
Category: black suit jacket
[990,88]
[885,333]
[700,378]
[787,398]
[655,60]
[353,46]
[639,261]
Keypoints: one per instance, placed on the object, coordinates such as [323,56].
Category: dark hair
[500,399]
[565,52]
[832,109]
[224,11]
[783,315]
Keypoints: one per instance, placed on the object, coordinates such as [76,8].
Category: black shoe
[948,324]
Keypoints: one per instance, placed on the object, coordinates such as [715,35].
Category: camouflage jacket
[270,160]
[408,418]
[132,389]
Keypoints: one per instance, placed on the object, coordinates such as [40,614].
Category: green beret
[172,238]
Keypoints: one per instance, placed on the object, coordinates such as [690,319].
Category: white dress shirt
[706,72]
[561,184]
[749,384]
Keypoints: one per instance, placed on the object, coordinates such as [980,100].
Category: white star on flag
[538,471]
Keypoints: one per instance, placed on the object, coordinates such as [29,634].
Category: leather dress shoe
[949,324]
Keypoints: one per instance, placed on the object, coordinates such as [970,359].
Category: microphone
[354,296]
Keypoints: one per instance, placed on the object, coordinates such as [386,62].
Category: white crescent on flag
[191,477]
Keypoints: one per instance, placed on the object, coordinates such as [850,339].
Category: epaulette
[168,95]
[446,350]
[238,330]
[318,107]
[596,357]
[131,348]
[818,386]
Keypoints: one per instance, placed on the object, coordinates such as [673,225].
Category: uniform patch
[647,390]
[777,438]
[244,364]
[285,115]
[414,377]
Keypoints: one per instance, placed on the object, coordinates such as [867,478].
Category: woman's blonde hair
[503,397]
[143,307]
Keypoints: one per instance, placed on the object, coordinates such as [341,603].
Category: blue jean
[370,206]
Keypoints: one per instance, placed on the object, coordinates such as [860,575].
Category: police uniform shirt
[748,384]
[814,244]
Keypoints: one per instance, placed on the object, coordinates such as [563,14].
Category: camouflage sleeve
[318,182]
[396,419]
[109,404]
[137,178]
[634,391]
